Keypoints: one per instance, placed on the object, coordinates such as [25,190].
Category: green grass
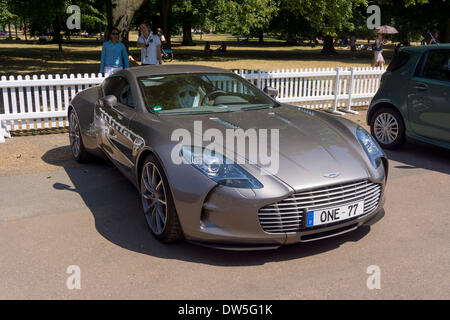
[82,55]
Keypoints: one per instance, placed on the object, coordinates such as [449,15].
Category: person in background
[353,45]
[161,36]
[114,55]
[223,47]
[150,46]
[434,38]
[377,47]
[207,47]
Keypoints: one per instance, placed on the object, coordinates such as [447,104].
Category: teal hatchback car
[413,100]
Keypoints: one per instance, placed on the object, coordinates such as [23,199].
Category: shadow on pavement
[415,155]
[116,207]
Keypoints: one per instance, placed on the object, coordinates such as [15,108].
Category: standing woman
[114,55]
[378,52]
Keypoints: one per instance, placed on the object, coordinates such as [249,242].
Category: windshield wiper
[264,106]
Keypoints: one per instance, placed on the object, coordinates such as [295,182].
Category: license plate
[334,214]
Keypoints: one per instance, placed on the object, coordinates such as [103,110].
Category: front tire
[157,202]
[76,143]
[388,129]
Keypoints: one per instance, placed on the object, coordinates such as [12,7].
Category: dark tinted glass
[398,61]
[437,65]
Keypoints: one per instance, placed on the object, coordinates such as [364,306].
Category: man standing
[150,46]
[114,55]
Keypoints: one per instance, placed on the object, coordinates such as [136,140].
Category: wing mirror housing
[271,92]
[108,101]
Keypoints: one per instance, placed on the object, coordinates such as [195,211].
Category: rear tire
[157,202]
[387,127]
[77,148]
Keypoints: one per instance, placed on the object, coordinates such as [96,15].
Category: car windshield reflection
[200,93]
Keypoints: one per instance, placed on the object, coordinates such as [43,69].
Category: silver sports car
[221,163]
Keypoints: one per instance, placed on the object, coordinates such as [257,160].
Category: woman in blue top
[114,55]
[377,47]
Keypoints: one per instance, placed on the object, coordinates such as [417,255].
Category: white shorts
[379,56]
[110,70]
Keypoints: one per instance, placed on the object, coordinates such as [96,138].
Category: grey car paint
[312,145]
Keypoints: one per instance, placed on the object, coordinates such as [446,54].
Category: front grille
[287,215]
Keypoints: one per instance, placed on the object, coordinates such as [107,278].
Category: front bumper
[229,220]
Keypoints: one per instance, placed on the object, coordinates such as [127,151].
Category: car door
[119,139]
[429,96]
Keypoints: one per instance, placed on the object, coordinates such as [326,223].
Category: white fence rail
[41,102]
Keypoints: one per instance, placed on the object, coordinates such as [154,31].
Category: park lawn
[83,55]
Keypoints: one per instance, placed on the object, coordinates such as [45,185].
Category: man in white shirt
[150,46]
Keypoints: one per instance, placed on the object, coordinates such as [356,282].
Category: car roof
[151,70]
[427,47]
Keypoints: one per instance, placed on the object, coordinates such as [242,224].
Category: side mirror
[108,101]
[271,92]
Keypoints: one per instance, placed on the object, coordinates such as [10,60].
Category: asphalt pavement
[90,216]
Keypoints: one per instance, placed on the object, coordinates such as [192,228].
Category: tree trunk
[444,34]
[260,36]
[165,11]
[291,38]
[120,13]
[328,47]
[57,37]
[9,29]
[187,33]
[15,28]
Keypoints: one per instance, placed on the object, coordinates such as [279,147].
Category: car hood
[314,149]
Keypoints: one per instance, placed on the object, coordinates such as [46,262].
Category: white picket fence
[41,102]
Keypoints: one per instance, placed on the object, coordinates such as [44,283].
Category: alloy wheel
[386,128]
[74,135]
[153,195]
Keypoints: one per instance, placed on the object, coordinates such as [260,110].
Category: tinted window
[398,61]
[437,66]
[119,87]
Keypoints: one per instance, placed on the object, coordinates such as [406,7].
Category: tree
[120,14]
[6,16]
[244,16]
[329,17]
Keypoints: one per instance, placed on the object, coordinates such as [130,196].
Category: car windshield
[200,93]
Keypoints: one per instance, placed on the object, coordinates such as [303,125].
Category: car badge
[332,175]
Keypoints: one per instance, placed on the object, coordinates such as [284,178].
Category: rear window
[398,61]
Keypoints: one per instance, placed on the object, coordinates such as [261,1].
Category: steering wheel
[215,92]
[188,97]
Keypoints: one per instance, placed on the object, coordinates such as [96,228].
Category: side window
[437,65]
[119,87]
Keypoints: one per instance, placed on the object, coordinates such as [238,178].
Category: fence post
[2,135]
[259,80]
[350,93]
[337,86]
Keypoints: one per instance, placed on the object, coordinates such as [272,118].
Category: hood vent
[224,123]
[275,115]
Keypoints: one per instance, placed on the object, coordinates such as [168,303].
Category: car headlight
[373,150]
[218,168]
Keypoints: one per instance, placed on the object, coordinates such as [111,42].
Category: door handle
[421,87]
